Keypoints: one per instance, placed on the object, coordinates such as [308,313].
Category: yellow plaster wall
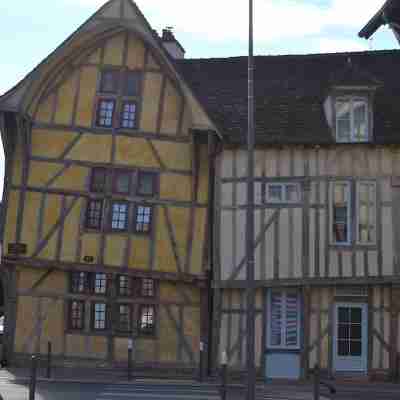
[73,178]
[180,218]
[168,336]
[45,110]
[202,193]
[171,110]
[24,332]
[175,187]
[47,143]
[187,120]
[135,151]
[30,220]
[150,103]
[114,250]
[11,220]
[135,55]
[191,329]
[98,347]
[17,165]
[87,92]
[113,50]
[71,231]
[41,172]
[140,257]
[198,242]
[95,148]
[121,349]
[90,245]
[174,155]
[75,346]
[144,351]
[66,99]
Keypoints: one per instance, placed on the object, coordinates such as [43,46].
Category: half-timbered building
[327,239]
[106,200]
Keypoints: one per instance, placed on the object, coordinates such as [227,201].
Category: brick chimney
[173,47]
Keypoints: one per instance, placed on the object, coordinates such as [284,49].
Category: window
[122,182]
[109,81]
[124,285]
[100,283]
[119,216]
[352,120]
[147,287]
[124,318]
[79,282]
[366,209]
[349,331]
[283,193]
[94,214]
[105,113]
[341,212]
[76,314]
[146,184]
[128,115]
[98,180]
[132,84]
[99,316]
[146,320]
[143,219]
[284,326]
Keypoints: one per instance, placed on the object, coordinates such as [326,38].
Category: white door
[350,344]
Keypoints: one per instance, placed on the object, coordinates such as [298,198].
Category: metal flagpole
[250,287]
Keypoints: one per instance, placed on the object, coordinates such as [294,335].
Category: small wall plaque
[88,259]
[17,249]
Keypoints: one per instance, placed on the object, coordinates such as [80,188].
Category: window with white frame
[283,193]
[353,212]
[284,321]
[352,119]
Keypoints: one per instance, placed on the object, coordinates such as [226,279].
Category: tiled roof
[290,92]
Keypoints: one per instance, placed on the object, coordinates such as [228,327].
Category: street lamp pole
[250,287]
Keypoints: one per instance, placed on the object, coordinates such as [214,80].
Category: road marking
[110,396]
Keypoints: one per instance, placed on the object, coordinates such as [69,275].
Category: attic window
[352,119]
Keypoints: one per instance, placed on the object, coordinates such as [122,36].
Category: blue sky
[30,30]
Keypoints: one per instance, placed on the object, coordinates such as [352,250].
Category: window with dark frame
[98,180]
[76,314]
[79,282]
[94,214]
[105,113]
[119,216]
[109,81]
[100,283]
[124,286]
[124,318]
[128,115]
[147,287]
[143,216]
[122,182]
[146,184]
[147,321]
[132,83]
[99,316]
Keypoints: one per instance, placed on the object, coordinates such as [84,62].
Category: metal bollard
[32,386]
[224,374]
[201,362]
[130,353]
[49,355]
[316,382]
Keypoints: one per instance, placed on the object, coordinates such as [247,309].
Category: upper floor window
[105,113]
[352,124]
[283,193]
[353,205]
[109,81]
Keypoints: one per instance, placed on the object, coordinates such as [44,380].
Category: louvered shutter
[276,319]
[292,319]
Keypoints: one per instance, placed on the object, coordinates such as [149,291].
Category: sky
[31,29]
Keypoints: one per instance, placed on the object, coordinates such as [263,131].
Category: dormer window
[352,125]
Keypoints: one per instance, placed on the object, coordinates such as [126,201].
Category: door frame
[364,335]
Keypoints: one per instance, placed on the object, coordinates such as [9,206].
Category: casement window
[99,316]
[146,326]
[76,314]
[94,214]
[79,282]
[146,184]
[353,212]
[128,114]
[100,283]
[283,193]
[143,217]
[119,216]
[131,86]
[124,317]
[105,113]
[284,322]
[109,81]
[98,180]
[124,286]
[147,287]
[352,119]
[122,182]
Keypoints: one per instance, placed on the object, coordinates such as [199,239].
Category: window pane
[100,316]
[124,285]
[355,332]
[98,180]
[343,120]
[122,182]
[124,318]
[366,212]
[109,81]
[146,320]
[343,331]
[343,348]
[119,216]
[131,87]
[344,315]
[76,315]
[105,113]
[79,282]
[100,284]
[146,184]
[355,348]
[128,115]
[147,287]
[276,319]
[340,213]
[292,319]
[360,120]
[292,193]
[94,214]
[275,193]
[143,219]
[356,315]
